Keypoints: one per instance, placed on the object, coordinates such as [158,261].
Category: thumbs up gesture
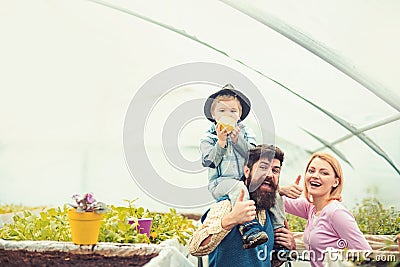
[293,191]
[243,211]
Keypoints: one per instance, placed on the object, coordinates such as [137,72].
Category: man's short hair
[264,151]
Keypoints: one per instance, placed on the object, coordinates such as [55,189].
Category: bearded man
[220,234]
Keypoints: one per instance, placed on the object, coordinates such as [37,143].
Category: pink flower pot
[144,225]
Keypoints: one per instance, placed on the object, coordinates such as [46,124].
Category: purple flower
[89,197]
[87,203]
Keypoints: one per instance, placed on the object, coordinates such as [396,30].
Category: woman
[329,223]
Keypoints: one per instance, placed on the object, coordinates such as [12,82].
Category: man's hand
[242,212]
[222,135]
[292,191]
[284,237]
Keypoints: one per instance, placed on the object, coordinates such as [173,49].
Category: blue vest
[230,252]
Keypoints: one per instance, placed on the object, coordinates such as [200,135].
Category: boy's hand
[292,191]
[235,134]
[222,135]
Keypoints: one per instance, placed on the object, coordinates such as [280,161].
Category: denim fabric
[227,162]
[230,252]
[230,187]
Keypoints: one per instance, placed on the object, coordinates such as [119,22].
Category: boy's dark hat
[228,90]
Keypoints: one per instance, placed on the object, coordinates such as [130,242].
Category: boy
[225,150]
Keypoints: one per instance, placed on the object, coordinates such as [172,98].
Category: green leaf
[53,224]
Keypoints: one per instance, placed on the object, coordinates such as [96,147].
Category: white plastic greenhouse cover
[328,71]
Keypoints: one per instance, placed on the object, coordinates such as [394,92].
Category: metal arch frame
[318,49]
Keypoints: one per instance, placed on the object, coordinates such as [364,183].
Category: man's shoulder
[222,206]
[223,203]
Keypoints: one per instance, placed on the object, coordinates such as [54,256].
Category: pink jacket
[334,228]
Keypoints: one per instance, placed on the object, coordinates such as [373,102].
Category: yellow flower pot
[85,227]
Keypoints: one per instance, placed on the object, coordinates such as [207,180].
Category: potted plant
[143,224]
[85,219]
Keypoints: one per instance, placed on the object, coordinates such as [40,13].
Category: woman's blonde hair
[336,191]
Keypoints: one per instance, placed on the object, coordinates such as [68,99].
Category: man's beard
[264,200]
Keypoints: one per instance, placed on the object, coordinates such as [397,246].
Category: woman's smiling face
[320,178]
